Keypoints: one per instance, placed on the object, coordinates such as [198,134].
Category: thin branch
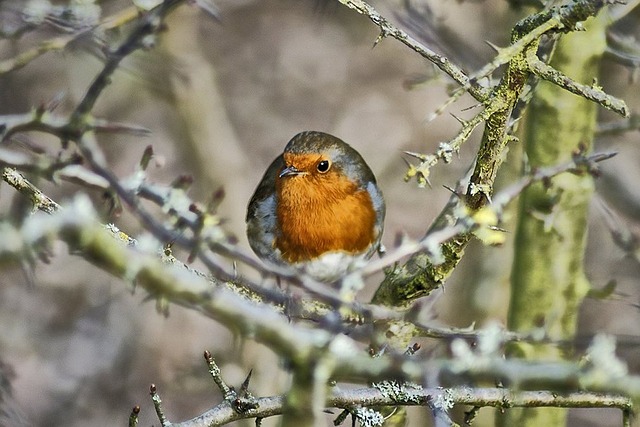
[593,93]
[442,62]
[446,150]
[133,417]
[149,25]
[60,43]
[39,200]
[506,54]
[227,392]
[41,120]
[433,240]
[157,404]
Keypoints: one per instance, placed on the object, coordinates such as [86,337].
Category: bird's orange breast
[322,213]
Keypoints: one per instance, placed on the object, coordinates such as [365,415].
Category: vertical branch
[548,282]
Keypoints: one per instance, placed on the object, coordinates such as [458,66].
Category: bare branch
[440,61]
[60,43]
[374,397]
[39,200]
[593,93]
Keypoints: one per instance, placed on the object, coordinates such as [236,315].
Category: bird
[318,209]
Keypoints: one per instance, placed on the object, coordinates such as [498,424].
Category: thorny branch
[61,42]
[39,200]
[489,218]
[442,62]
[419,275]
[529,31]
[373,397]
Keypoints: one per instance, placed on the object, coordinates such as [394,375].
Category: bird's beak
[290,171]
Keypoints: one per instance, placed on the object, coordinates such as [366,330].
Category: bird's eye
[323,166]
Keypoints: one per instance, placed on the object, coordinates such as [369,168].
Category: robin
[317,208]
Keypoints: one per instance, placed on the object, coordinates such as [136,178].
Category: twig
[61,42]
[133,417]
[506,54]
[39,200]
[157,404]
[446,150]
[216,374]
[40,120]
[593,93]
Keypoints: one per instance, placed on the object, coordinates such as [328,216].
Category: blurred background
[222,98]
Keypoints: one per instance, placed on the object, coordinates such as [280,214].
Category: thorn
[147,155]
[341,417]
[493,46]
[431,117]
[488,196]
[413,349]
[419,156]
[451,189]
[599,157]
[381,36]
[460,120]
[54,102]
[471,107]
[244,388]
[496,228]
[208,7]
[115,127]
